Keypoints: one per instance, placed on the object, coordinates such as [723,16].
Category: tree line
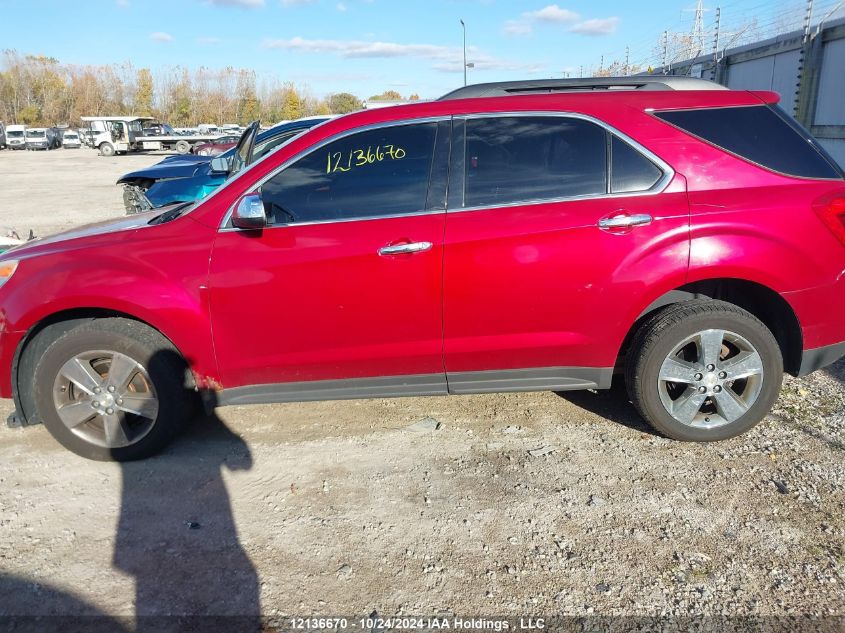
[41,91]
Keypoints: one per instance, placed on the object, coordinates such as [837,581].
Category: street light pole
[464,27]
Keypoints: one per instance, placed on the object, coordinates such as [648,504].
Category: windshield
[35,133]
[70,136]
[14,134]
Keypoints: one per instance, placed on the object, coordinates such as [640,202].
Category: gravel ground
[418,505]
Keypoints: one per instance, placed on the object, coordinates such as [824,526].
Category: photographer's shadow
[177,537]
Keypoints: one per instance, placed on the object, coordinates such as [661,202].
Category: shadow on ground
[177,536]
[612,404]
[837,370]
[18,595]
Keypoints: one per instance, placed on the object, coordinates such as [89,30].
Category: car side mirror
[220,165]
[249,213]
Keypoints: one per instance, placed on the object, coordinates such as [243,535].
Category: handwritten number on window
[338,161]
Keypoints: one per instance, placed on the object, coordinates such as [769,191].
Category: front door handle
[625,221]
[400,249]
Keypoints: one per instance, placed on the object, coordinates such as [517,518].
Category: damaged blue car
[186,178]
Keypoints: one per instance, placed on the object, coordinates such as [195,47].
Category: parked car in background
[39,138]
[188,178]
[215,147]
[71,140]
[209,128]
[158,129]
[548,238]
[16,136]
[2,136]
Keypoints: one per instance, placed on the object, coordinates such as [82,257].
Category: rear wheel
[704,370]
[183,147]
[112,390]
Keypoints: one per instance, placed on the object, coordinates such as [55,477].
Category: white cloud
[161,36]
[246,4]
[601,26]
[446,58]
[553,13]
[341,7]
[550,14]
[123,4]
[358,48]
[295,3]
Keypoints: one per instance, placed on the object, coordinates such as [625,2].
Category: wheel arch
[52,327]
[760,300]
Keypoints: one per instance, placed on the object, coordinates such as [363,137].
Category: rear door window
[512,159]
[761,134]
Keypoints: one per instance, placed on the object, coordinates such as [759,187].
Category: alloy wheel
[710,379]
[106,398]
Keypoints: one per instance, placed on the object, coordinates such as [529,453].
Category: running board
[495,381]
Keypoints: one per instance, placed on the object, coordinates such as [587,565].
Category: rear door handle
[624,221]
[400,249]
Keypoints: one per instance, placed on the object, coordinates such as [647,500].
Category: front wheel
[183,147]
[107,149]
[112,390]
[703,370]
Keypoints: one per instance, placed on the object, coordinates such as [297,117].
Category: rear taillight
[831,212]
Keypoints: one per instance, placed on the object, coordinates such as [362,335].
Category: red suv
[508,237]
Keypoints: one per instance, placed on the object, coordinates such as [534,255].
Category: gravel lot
[351,507]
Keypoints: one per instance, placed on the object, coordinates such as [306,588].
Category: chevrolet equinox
[541,235]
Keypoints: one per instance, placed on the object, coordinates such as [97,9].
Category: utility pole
[601,65]
[716,43]
[808,18]
[665,51]
[627,57]
[464,27]
[698,29]
[809,65]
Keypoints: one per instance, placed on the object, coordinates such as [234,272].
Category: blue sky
[360,46]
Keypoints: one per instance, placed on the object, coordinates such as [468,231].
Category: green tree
[29,115]
[343,102]
[143,101]
[292,105]
[387,95]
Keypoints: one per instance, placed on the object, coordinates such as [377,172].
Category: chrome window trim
[228,229]
[656,188]
[224,224]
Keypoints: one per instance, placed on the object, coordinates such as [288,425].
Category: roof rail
[586,84]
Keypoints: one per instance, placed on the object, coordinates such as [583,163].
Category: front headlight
[7,269]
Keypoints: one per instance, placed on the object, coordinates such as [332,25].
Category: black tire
[107,149]
[166,370]
[668,328]
[183,147]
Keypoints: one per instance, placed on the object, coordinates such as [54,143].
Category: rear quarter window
[761,134]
